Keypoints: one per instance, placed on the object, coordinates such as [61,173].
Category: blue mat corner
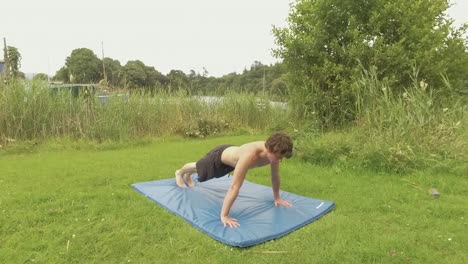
[260,220]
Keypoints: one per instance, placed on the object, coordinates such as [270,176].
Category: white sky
[223,36]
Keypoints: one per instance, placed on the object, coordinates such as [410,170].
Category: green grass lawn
[69,205]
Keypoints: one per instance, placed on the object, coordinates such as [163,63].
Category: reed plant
[29,110]
[421,127]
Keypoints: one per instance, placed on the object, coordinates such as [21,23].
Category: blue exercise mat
[260,220]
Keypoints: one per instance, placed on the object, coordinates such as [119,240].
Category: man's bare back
[232,154]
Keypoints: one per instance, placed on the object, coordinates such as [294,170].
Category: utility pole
[103,66]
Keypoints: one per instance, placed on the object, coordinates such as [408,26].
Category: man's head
[280,144]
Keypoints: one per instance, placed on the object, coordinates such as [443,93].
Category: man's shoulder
[252,147]
[255,144]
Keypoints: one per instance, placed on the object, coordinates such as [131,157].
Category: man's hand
[228,221]
[282,203]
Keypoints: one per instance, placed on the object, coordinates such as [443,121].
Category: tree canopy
[83,66]
[13,58]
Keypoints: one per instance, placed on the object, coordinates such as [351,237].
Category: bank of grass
[74,204]
[360,148]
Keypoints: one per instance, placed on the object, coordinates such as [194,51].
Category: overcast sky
[223,36]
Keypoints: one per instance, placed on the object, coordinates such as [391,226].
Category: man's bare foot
[188,179]
[178,178]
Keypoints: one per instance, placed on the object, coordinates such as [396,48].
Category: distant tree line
[83,66]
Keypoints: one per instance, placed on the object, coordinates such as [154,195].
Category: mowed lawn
[77,206]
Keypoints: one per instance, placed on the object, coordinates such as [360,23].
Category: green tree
[114,71]
[21,75]
[13,57]
[279,87]
[84,66]
[62,75]
[178,79]
[135,74]
[155,78]
[41,77]
[327,43]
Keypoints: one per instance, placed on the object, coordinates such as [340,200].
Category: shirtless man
[227,158]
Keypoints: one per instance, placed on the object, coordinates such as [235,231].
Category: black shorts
[211,166]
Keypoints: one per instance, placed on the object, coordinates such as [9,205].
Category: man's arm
[275,184]
[238,179]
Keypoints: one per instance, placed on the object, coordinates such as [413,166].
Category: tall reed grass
[29,110]
[423,127]
[420,128]
[422,119]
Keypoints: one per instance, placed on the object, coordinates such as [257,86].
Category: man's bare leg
[179,181]
[188,179]
[185,173]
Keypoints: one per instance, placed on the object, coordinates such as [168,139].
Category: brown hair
[280,143]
